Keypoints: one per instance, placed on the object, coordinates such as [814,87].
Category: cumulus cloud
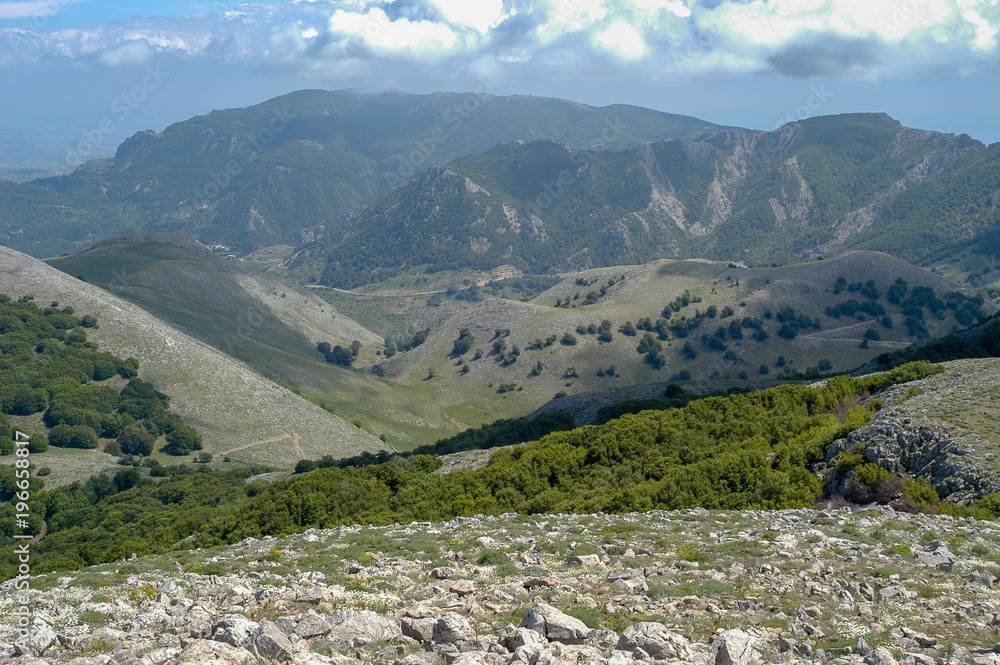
[855,39]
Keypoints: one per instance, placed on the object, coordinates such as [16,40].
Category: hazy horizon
[100,70]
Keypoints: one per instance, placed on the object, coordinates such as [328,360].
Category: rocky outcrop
[941,429]
[928,451]
[871,587]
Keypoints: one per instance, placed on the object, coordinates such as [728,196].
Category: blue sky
[107,68]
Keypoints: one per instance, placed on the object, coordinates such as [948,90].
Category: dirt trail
[380,295]
[292,436]
[298,449]
[457,421]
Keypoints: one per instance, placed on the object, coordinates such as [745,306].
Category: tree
[38,443]
[182,441]
[604,331]
[73,436]
[135,440]
[463,343]
[989,339]
[127,479]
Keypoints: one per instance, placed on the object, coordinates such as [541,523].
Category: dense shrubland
[738,451]
[47,366]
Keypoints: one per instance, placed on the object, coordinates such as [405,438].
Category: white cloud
[16,10]
[651,38]
[378,30]
[623,40]
[675,7]
[480,15]
[135,53]
[986,34]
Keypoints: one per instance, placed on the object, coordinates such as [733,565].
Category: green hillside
[741,451]
[704,322]
[239,413]
[271,324]
[624,332]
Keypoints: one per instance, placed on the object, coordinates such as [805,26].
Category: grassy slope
[232,405]
[644,291]
[410,409]
[271,325]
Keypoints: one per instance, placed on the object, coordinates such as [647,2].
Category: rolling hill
[239,413]
[271,325]
[712,324]
[520,355]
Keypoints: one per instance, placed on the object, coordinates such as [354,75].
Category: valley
[712,326]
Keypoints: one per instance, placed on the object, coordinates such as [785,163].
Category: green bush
[182,441]
[919,494]
[492,558]
[849,461]
[135,440]
[38,443]
[73,436]
[871,482]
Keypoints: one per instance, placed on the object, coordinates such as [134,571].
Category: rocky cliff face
[712,588]
[942,428]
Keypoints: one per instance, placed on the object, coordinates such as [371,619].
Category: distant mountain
[812,187]
[293,167]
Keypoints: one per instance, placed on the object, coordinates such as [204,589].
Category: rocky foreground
[724,588]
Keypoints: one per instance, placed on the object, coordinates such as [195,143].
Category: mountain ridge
[733,195]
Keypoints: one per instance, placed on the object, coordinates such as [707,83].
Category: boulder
[234,629]
[734,647]
[453,629]
[210,652]
[555,625]
[269,642]
[656,640]
[420,658]
[460,587]
[356,629]
[512,639]
[311,625]
[937,555]
[420,629]
[880,656]
[981,577]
